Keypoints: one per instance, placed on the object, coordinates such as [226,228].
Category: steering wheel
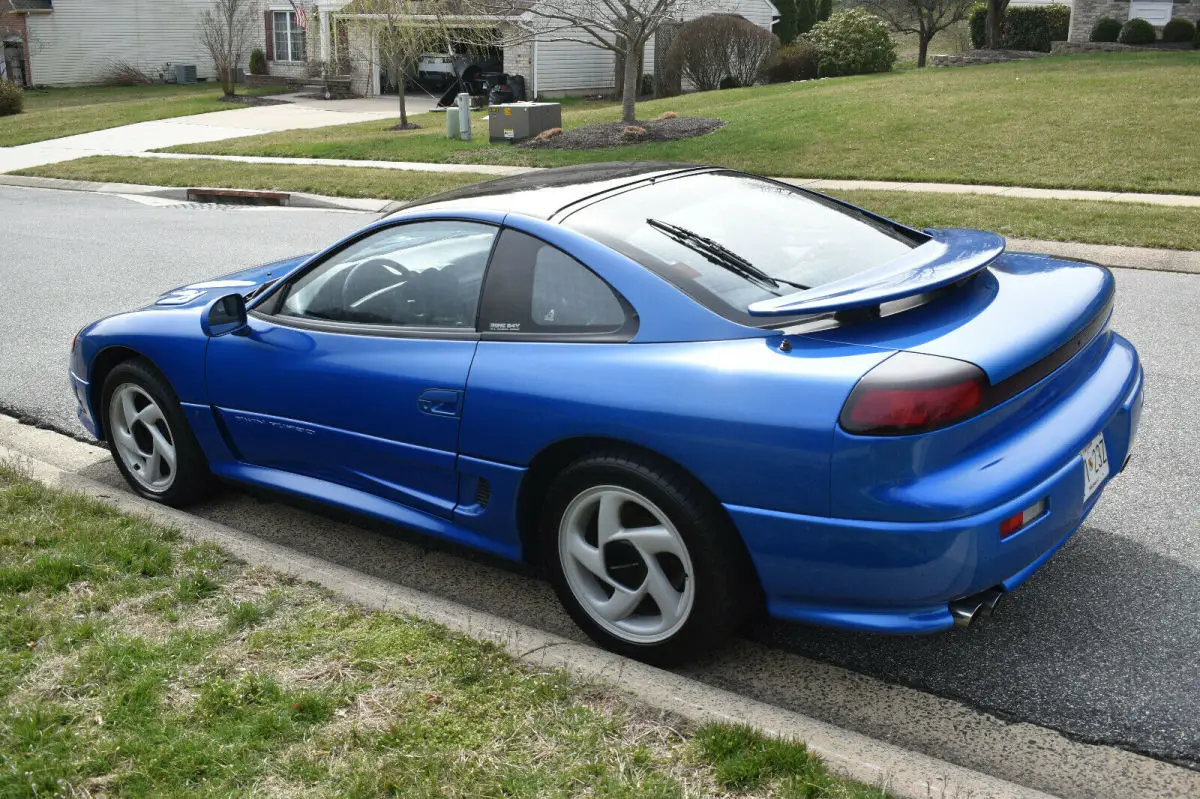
[371,276]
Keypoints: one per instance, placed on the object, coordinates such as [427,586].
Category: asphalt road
[1101,645]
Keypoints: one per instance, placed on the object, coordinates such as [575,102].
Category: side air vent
[483,494]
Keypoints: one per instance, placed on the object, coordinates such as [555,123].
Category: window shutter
[270,48]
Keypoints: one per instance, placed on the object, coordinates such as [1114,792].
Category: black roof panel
[545,192]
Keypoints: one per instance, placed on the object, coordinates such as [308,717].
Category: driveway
[298,114]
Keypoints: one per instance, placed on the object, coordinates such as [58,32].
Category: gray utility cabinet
[515,122]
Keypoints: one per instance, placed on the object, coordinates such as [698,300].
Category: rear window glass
[795,238]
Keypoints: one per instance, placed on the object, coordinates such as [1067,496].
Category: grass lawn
[1109,121]
[1056,220]
[52,113]
[137,664]
[335,181]
[1084,221]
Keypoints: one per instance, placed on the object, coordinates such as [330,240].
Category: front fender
[170,339]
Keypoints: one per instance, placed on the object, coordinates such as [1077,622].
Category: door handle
[440,402]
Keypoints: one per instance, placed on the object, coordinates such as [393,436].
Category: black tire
[193,481]
[726,589]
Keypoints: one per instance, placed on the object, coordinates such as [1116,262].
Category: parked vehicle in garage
[687,393]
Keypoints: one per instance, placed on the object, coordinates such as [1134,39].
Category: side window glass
[534,287]
[568,294]
[421,274]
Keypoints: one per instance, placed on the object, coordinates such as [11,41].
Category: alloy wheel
[142,438]
[626,564]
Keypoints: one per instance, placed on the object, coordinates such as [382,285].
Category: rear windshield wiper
[721,255]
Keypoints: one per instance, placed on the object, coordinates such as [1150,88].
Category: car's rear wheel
[151,443]
[643,559]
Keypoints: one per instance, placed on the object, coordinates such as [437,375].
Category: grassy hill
[1112,121]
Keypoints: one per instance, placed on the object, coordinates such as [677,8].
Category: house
[1084,13]
[71,42]
[552,65]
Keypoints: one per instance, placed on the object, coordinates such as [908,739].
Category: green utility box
[513,122]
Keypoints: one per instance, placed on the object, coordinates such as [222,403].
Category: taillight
[913,393]
[1018,521]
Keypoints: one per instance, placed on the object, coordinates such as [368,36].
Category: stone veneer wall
[975,57]
[1084,14]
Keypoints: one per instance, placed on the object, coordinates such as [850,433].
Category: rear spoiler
[949,256]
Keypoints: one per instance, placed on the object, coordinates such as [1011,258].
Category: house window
[289,37]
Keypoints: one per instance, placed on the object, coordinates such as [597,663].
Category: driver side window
[421,274]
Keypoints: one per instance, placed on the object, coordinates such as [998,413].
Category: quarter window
[423,274]
[289,37]
[534,287]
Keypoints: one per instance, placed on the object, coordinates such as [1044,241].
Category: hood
[243,282]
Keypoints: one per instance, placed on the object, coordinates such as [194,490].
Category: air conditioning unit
[185,73]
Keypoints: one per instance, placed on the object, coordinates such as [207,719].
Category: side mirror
[223,316]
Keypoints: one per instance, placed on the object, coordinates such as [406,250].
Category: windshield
[714,235]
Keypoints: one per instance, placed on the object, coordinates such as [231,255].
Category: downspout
[534,55]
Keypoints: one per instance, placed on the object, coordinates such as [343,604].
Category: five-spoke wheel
[141,437]
[152,445]
[643,558]
[627,563]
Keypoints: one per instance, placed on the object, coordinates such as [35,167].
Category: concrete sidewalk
[140,137]
[1022,192]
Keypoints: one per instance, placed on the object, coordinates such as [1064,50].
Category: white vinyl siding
[74,42]
[289,37]
[565,66]
[573,66]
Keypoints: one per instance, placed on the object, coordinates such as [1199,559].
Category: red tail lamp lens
[913,393]
[1017,521]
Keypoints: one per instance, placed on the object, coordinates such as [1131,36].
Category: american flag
[301,14]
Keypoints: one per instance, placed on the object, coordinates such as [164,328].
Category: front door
[355,372]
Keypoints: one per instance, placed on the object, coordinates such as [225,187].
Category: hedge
[1106,29]
[12,99]
[1137,31]
[1179,30]
[1023,27]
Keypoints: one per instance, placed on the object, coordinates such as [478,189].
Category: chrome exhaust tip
[969,608]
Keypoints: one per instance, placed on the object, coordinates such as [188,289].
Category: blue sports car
[686,393]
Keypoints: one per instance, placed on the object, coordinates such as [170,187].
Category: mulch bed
[245,99]
[613,134]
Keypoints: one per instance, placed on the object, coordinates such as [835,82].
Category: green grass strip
[135,663]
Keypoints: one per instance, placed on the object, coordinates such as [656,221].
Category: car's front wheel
[151,443]
[645,562]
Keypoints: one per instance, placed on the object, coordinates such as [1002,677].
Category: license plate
[1095,465]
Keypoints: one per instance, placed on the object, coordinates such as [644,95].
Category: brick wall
[1084,14]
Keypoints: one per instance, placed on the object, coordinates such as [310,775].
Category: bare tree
[925,18]
[716,48]
[226,30]
[620,26]
[401,31]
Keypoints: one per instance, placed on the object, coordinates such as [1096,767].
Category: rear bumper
[899,577]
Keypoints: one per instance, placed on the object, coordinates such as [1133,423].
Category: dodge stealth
[685,393]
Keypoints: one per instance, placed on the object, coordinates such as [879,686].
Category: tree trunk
[630,90]
[922,49]
[403,108]
[994,15]
[229,84]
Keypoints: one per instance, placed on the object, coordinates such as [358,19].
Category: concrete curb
[180,193]
[905,774]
